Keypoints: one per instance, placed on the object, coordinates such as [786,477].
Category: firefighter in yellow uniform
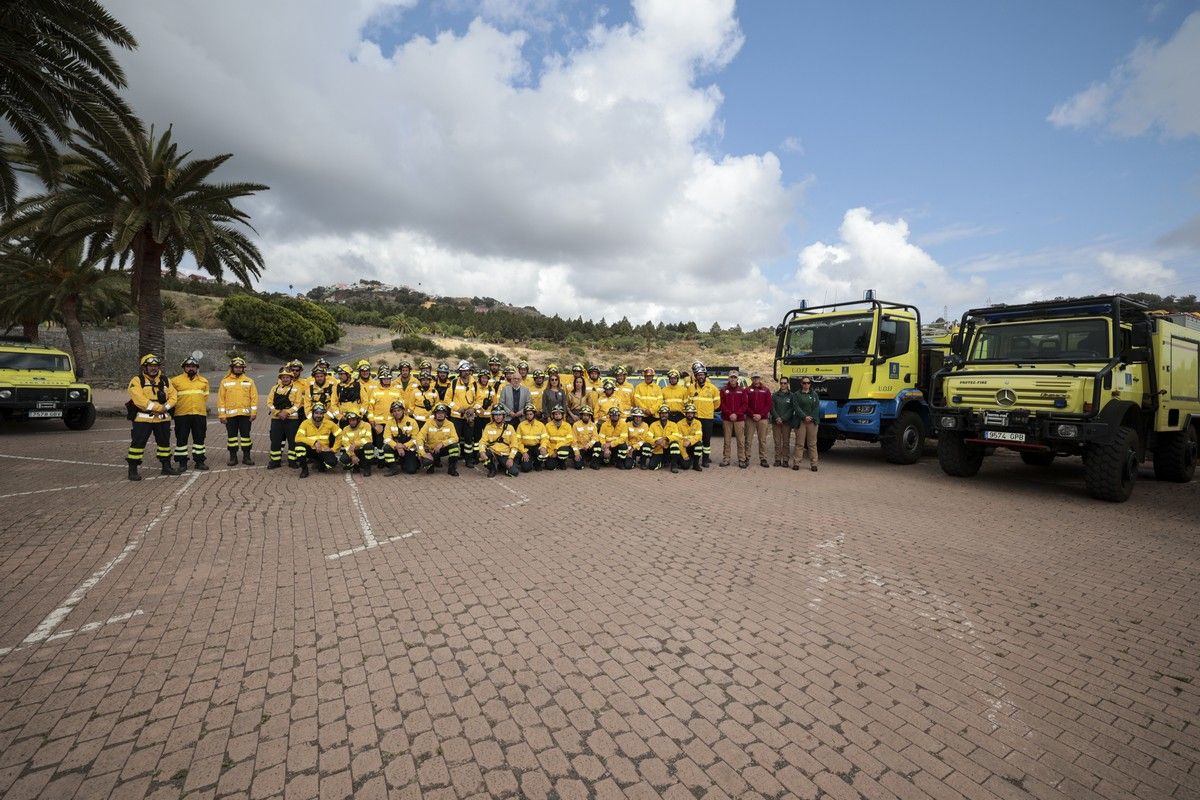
[296,367]
[463,412]
[675,395]
[191,415]
[648,395]
[237,407]
[614,440]
[151,398]
[560,441]
[691,439]
[379,405]
[421,398]
[499,444]
[356,444]
[438,439]
[405,380]
[531,434]
[665,436]
[285,402]
[587,442]
[443,387]
[707,399]
[536,389]
[623,389]
[317,439]
[487,394]
[606,399]
[366,383]
[400,441]
[320,389]
[523,371]
[347,394]
[641,446]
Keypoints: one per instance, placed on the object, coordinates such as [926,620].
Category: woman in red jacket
[758,413]
[734,401]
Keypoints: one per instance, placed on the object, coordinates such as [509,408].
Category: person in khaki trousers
[733,420]
[758,418]
[806,414]
[781,415]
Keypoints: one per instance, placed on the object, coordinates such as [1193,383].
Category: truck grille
[832,388]
[39,394]
[1040,395]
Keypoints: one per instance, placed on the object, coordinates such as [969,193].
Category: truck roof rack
[1104,304]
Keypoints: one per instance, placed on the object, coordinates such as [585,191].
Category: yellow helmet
[150,358]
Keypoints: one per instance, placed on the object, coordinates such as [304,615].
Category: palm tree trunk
[147,288]
[70,314]
[30,329]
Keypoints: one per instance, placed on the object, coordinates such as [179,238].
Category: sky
[699,160]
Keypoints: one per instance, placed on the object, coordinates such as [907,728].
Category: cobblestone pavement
[868,630]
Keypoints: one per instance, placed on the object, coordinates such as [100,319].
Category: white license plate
[1004,436]
[46,414]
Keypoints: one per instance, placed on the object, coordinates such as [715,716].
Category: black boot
[166,467]
[394,469]
[182,468]
[453,470]
[201,465]
[246,459]
[274,465]
[133,472]
[232,462]
[696,465]
[304,470]
[366,468]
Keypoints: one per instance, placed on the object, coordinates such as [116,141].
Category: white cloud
[1131,272]
[792,144]
[1156,88]
[875,254]
[456,163]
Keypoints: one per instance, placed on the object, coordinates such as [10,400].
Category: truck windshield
[36,361]
[1048,340]
[832,336]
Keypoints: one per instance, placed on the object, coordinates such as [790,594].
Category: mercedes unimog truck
[1098,377]
[869,366]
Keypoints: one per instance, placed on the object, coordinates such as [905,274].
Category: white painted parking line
[55,617]
[63,461]
[91,626]
[521,500]
[370,541]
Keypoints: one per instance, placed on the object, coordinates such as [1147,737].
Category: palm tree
[145,206]
[66,285]
[56,72]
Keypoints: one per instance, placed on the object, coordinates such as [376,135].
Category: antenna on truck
[869,294]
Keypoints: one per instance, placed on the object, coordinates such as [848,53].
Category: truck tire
[1110,470]
[905,439]
[825,442]
[1037,458]
[958,458]
[1175,456]
[80,419]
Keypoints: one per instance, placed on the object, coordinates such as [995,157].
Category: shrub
[412,343]
[315,314]
[278,330]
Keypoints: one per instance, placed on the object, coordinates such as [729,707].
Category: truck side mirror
[779,329]
[1140,335]
[79,373]
[956,344]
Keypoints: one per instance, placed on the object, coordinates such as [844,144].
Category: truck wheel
[1110,470]
[1175,456]
[958,458]
[1037,458]
[80,419]
[905,439]
[825,442]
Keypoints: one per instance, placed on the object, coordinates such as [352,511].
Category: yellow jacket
[500,438]
[288,399]
[690,433]
[535,394]
[420,403]
[648,397]
[354,438]
[531,434]
[309,433]
[585,434]
[613,435]
[603,402]
[401,433]
[625,392]
[154,397]
[342,403]
[379,404]
[707,399]
[325,394]
[560,434]
[237,396]
[638,435]
[660,430]
[433,436]
[676,397]
[192,394]
[466,395]
[443,393]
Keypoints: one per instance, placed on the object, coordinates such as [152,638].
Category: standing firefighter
[286,402]
[237,406]
[151,398]
[191,414]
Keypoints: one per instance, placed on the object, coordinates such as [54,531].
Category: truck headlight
[1066,431]
[74,394]
[949,422]
[864,409]
[5,394]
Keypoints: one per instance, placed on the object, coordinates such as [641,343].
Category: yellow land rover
[39,382]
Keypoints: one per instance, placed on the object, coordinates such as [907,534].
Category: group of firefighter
[507,419]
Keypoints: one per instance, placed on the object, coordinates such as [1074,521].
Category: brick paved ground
[870,630]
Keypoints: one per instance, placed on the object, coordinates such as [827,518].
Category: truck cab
[870,367]
[1097,377]
[39,382]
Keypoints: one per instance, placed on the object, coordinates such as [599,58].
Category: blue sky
[945,153]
